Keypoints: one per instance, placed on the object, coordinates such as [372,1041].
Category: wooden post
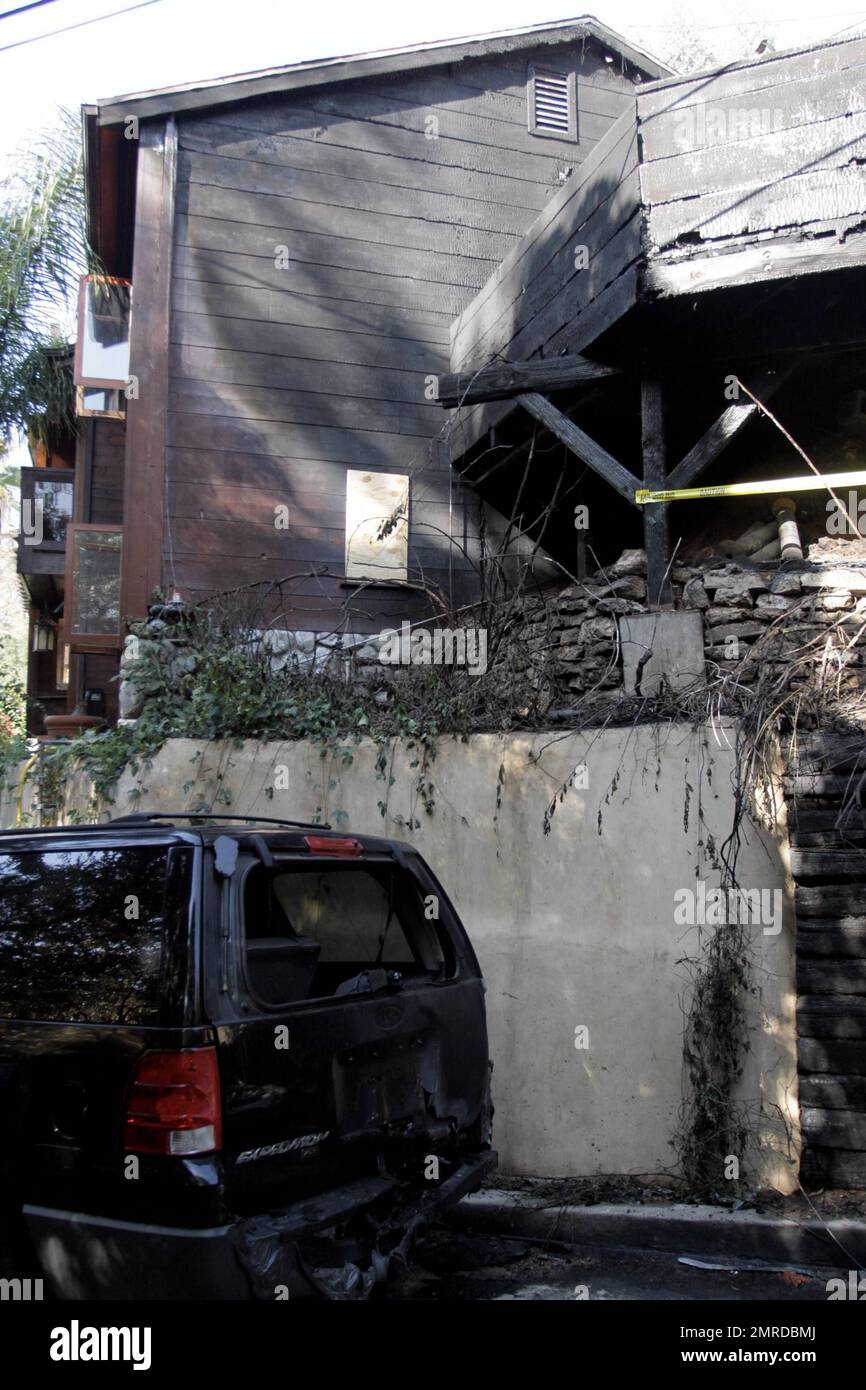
[144,469]
[656,537]
[581,555]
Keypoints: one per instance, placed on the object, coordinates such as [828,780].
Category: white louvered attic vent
[551,103]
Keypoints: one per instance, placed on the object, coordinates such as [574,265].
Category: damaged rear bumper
[297,1252]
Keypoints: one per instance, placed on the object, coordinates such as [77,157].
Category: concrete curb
[688,1230]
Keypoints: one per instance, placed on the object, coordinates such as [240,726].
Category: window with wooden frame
[47,496]
[102,347]
[96,400]
[377,526]
[92,619]
[552,103]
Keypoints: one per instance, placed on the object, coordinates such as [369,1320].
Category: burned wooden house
[508,287]
[571,251]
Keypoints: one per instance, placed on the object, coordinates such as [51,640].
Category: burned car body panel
[292,1253]
[268,1079]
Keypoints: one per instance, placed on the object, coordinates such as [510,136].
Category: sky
[164,42]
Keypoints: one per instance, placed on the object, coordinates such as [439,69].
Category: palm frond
[43,251]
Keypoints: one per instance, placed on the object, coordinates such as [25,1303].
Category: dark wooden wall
[106,505]
[100,672]
[106,472]
[280,379]
[45,696]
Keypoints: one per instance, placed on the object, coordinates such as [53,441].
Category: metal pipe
[785,512]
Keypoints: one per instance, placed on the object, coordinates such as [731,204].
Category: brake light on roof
[174,1104]
[334,845]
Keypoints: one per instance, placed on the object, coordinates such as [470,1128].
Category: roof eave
[90,147]
[221,91]
[755,60]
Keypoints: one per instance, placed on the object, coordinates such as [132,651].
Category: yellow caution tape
[809,483]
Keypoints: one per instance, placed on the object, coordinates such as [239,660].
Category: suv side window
[309,931]
[81,934]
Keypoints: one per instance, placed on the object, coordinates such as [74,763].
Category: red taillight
[174,1103]
[333,845]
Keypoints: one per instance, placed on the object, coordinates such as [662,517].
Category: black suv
[236,1060]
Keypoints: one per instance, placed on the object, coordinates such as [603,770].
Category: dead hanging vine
[783,687]
[713,1126]
[225,669]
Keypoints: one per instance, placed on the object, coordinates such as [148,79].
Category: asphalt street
[450,1266]
[453,1266]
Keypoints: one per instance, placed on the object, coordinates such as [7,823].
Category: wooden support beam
[586,449]
[510,455]
[503,379]
[655,522]
[724,429]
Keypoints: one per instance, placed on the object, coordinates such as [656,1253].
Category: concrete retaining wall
[575,928]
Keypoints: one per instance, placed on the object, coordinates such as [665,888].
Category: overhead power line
[82,24]
[20,9]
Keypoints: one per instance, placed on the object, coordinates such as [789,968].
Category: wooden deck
[749,174]
[755,173]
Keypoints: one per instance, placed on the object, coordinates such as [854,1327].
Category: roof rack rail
[145,817]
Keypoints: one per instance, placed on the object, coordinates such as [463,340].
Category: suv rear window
[81,934]
[310,931]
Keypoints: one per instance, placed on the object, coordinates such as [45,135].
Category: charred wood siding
[396,198]
[756,173]
[571,275]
